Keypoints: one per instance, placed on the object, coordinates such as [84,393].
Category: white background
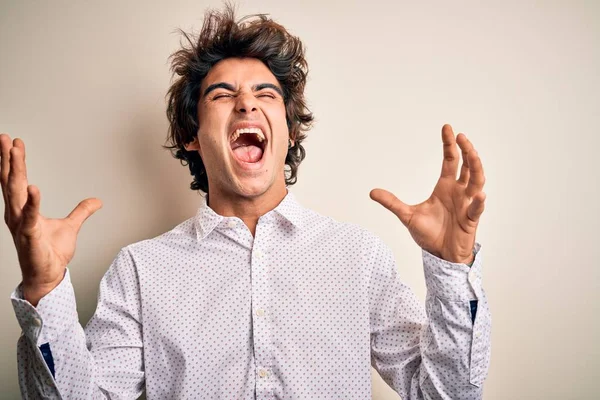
[83,84]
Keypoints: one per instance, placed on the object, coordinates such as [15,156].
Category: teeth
[239,132]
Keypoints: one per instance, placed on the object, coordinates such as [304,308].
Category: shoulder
[326,227]
[182,236]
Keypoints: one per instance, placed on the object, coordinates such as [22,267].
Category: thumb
[84,209]
[388,200]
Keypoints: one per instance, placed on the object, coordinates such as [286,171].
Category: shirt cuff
[54,313]
[453,281]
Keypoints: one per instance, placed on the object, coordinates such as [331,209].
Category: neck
[248,209]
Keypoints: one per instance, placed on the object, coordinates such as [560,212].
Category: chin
[251,182]
[252,188]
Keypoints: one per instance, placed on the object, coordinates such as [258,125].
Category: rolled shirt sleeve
[439,352]
[55,314]
[451,288]
[57,358]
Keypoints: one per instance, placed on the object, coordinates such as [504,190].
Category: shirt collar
[206,220]
[290,209]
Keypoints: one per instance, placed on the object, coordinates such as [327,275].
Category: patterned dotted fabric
[300,311]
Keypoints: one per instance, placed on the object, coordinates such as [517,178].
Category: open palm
[445,224]
[44,246]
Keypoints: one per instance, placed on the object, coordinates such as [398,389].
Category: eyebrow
[262,86]
[255,88]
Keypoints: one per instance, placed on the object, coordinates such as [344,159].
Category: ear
[193,145]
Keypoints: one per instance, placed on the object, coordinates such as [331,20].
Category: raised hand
[445,223]
[44,246]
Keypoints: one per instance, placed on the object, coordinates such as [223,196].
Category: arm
[439,353]
[58,359]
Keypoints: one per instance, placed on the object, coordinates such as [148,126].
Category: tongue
[249,153]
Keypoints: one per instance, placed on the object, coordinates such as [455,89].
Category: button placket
[259,301]
[261,306]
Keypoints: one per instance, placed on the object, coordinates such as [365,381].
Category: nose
[247,103]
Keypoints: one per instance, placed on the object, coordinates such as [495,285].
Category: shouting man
[255,297]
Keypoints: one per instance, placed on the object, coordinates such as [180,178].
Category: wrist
[34,292]
[459,259]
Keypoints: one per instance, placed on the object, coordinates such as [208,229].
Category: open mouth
[248,144]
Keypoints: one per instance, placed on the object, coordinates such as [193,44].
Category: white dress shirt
[302,310]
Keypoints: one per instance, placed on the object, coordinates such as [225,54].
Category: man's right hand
[44,246]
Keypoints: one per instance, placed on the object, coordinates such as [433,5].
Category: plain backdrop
[83,83]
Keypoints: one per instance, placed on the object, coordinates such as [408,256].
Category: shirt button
[258,254]
[263,373]
[37,322]
[231,223]
[260,312]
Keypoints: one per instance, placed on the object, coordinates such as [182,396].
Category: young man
[255,296]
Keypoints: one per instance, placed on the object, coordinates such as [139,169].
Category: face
[243,134]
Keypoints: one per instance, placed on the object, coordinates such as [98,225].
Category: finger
[17,179]
[388,200]
[450,163]
[476,179]
[82,211]
[31,210]
[476,207]
[465,145]
[5,146]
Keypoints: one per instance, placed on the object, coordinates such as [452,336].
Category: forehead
[239,72]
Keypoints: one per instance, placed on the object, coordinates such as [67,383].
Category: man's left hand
[445,224]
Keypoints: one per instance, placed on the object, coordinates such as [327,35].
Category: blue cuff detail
[473,304]
[47,354]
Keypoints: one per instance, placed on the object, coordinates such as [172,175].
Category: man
[255,296]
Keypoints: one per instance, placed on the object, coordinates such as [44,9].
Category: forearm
[439,353]
[454,352]
[456,345]
[64,369]
[66,372]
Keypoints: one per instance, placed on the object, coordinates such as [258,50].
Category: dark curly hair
[222,37]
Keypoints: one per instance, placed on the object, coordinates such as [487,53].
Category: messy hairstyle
[222,37]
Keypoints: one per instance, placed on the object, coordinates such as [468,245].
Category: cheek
[278,121]
[213,119]
[211,146]
[212,123]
